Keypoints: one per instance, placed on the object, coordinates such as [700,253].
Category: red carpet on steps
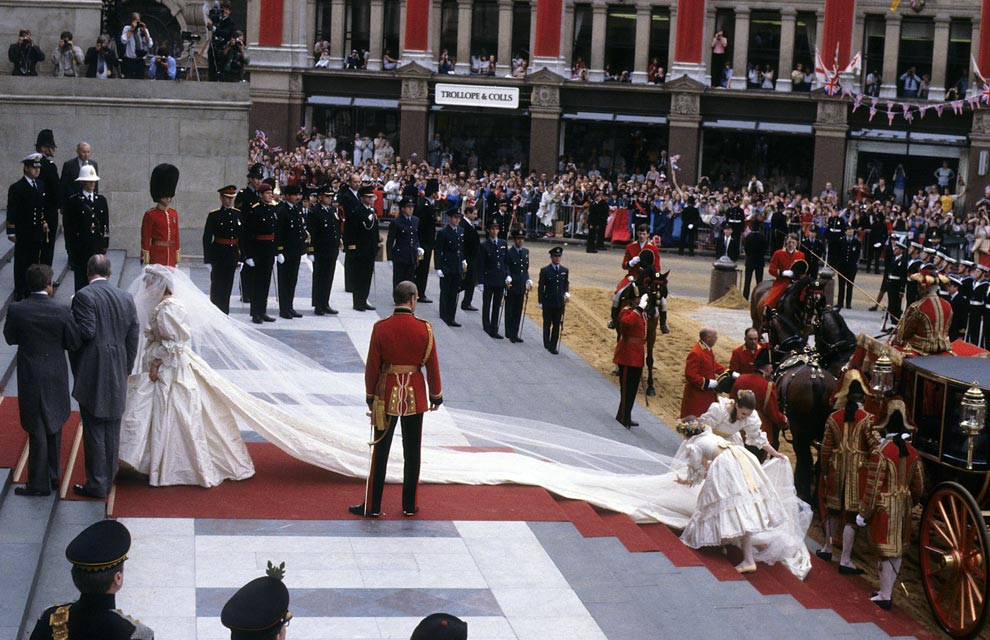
[13,439]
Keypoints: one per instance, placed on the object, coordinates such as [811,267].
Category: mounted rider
[642,263]
[782,267]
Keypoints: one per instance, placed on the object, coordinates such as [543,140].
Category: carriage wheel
[953,552]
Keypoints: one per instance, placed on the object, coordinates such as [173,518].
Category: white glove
[860,520]
[644,300]
[876,245]
[308,258]
[439,273]
[539,306]
[280,259]
[249,262]
[788,274]
[634,261]
[239,265]
[711,385]
[508,280]
[735,374]
[420,252]
[529,284]
[464,265]
[209,267]
[690,226]
[632,279]
[567,296]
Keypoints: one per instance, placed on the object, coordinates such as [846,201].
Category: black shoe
[874,308]
[286,315]
[267,318]
[295,314]
[245,300]
[824,555]
[368,307]
[592,251]
[358,510]
[496,336]
[331,311]
[424,300]
[80,490]
[883,604]
[256,319]
[452,323]
[468,308]
[554,351]
[24,491]
[631,423]
[359,308]
[409,514]
[514,339]
[839,308]
[54,485]
[664,329]
[850,571]
[319,312]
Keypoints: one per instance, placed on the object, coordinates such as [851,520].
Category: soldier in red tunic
[701,375]
[780,268]
[160,225]
[630,351]
[641,255]
[401,345]
[744,355]
[634,250]
[924,327]
[849,438]
[894,484]
[767,407]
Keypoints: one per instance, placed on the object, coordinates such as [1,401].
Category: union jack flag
[985,94]
[832,85]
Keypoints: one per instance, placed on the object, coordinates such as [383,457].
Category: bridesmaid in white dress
[737,421]
[177,429]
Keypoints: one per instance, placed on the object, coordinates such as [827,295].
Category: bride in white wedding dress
[320,417]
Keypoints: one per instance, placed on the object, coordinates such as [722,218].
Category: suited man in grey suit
[70,171]
[43,330]
[108,325]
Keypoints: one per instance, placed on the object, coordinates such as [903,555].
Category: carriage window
[929,403]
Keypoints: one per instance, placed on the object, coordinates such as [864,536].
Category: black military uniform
[876,239]
[246,197]
[86,224]
[846,263]
[977,302]
[517,259]
[690,220]
[49,177]
[259,609]
[402,246]
[911,292]
[427,214]
[361,241]
[960,311]
[100,548]
[291,243]
[259,247]
[735,219]
[835,233]
[552,296]
[450,263]
[493,274]
[26,224]
[472,247]
[894,279]
[812,247]
[221,249]
[323,224]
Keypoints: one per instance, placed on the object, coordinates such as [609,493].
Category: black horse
[834,342]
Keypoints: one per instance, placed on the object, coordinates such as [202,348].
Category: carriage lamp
[277,193]
[973,414]
[883,374]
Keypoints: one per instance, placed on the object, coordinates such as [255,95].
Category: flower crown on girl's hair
[690,426]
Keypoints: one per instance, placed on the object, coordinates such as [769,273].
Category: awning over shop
[599,116]
[348,101]
[790,128]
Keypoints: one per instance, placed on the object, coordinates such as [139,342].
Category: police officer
[517,260]
[450,265]
[735,219]
[27,226]
[97,556]
[494,278]
[221,247]
[246,197]
[291,244]
[45,145]
[553,296]
[895,277]
[835,231]
[323,224]
[428,218]
[259,251]
[86,224]
[846,263]
[812,247]
[260,609]
[361,242]
[402,246]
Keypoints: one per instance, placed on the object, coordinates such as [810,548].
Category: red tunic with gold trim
[630,350]
[633,250]
[396,357]
[767,407]
[893,486]
[700,368]
[845,450]
[780,262]
[924,327]
[160,237]
[741,360]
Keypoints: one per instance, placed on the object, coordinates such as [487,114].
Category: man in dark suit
[428,218]
[472,247]
[450,265]
[894,278]
[361,242]
[291,242]
[70,171]
[960,309]
[86,224]
[108,326]
[494,277]
[597,221]
[727,245]
[222,236]
[37,325]
[778,228]
[347,198]
[876,239]
[690,221]
[517,259]
[812,247]
[846,264]
[402,247]
[323,223]
[27,226]
[553,294]
[45,145]
[755,245]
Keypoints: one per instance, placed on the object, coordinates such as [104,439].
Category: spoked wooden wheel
[953,552]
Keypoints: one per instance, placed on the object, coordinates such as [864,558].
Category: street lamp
[973,414]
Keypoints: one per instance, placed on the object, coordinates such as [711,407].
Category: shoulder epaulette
[214,211]
[259,202]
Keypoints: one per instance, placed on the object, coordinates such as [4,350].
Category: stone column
[597,62]
[547,33]
[416,43]
[891,49]
[979,144]
[978,42]
[672,40]
[830,127]
[253,24]
[687,58]
[567,38]
[641,57]
[337,34]
[435,28]
[940,54]
[503,63]
[685,125]
[376,41]
[544,126]
[413,113]
[740,50]
[464,17]
[788,25]
[983,55]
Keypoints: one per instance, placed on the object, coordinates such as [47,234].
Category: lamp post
[973,413]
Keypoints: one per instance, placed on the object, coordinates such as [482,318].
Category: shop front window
[764,49]
[780,161]
[620,42]
[483,140]
[613,148]
[914,58]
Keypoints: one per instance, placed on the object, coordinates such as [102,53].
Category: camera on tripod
[189,36]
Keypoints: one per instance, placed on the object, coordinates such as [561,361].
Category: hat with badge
[46,139]
[493,223]
[929,250]
[366,190]
[259,609]
[917,245]
[229,191]
[983,267]
[87,173]
[264,187]
[967,263]
[556,251]
[408,201]
[32,160]
[326,189]
[164,179]
[454,213]
[257,170]
[432,186]
[762,358]
[101,546]
[900,244]
[410,190]
[291,190]
[440,626]
[518,233]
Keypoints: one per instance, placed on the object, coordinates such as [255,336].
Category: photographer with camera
[25,54]
[101,61]
[137,43]
[222,26]
[235,59]
[66,56]
[162,66]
